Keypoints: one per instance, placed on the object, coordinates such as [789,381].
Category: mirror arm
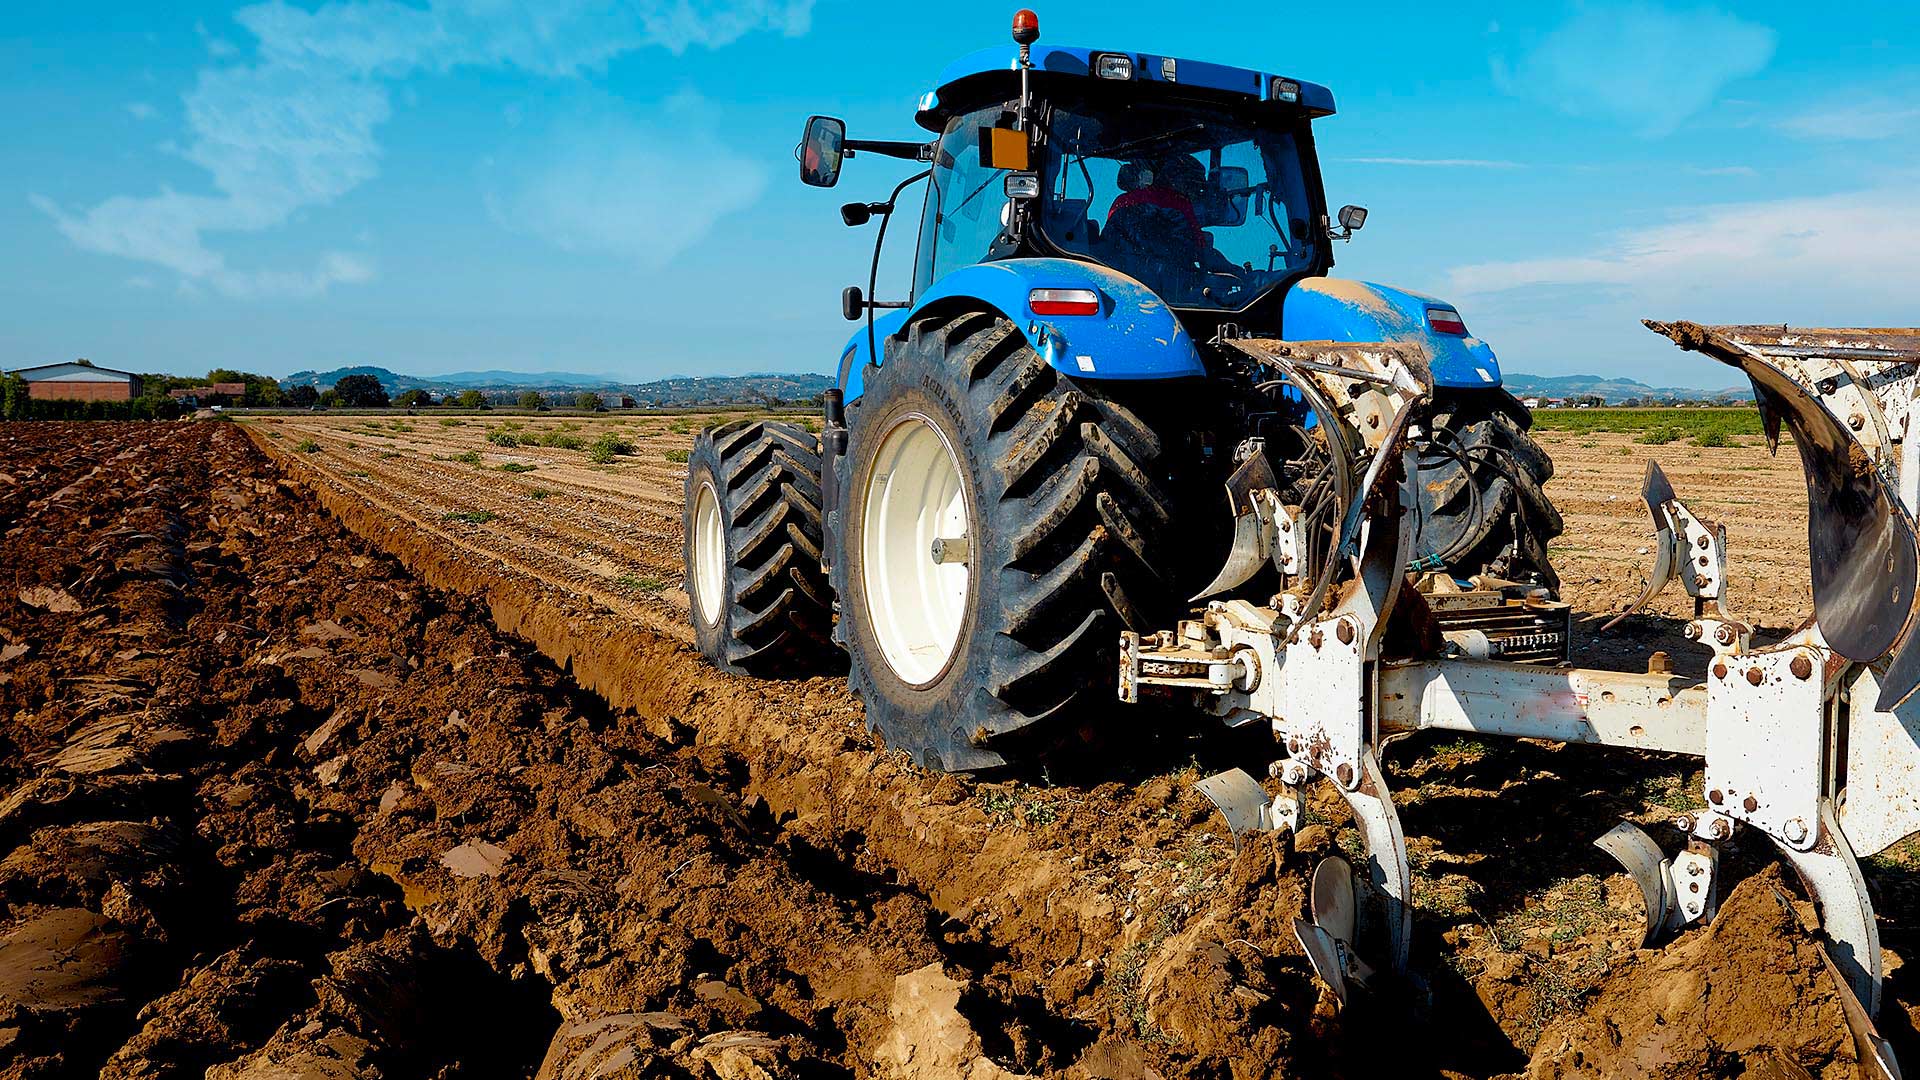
[906,151]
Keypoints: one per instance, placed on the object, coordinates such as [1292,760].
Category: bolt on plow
[1810,740]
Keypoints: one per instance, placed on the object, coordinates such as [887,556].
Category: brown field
[362,756]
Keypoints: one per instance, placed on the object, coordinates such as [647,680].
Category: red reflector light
[1446,321]
[1064,302]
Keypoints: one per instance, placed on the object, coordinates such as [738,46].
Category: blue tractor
[1025,455]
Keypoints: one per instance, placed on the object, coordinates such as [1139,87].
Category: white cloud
[1436,163]
[642,190]
[140,110]
[1854,252]
[1838,260]
[1864,119]
[293,126]
[1638,64]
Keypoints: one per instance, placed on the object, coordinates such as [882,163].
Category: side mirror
[821,147]
[1230,184]
[856,213]
[1352,217]
[853,303]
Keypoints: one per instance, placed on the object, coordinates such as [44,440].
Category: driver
[1163,217]
[1174,184]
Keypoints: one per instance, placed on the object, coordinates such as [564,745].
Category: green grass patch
[538,493]
[678,457]
[448,421]
[516,467]
[307,446]
[562,440]
[639,584]
[1660,436]
[471,517]
[503,438]
[471,457]
[607,447]
[1687,423]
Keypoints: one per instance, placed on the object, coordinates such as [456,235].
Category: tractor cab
[1196,180]
[1208,195]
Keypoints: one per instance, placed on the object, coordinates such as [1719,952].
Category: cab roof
[1072,60]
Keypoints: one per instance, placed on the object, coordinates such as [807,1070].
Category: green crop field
[1702,427]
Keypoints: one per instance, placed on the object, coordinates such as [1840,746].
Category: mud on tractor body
[1125,433]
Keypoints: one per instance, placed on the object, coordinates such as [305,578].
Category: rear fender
[1336,309]
[1134,336]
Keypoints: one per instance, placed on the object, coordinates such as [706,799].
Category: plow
[1122,306]
[1810,739]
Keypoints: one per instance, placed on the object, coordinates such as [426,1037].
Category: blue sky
[458,184]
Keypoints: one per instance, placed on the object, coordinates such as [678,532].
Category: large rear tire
[1483,503]
[1051,508]
[756,595]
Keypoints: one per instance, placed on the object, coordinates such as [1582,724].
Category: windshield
[1204,208]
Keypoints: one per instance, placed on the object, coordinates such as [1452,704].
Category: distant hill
[1615,389]
[673,390]
[395,382]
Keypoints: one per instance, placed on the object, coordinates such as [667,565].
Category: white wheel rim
[915,604]
[709,554]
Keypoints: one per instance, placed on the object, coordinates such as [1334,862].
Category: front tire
[1049,503]
[756,595]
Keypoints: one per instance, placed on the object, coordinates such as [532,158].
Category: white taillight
[1446,321]
[1064,302]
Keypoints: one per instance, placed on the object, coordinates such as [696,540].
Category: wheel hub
[915,550]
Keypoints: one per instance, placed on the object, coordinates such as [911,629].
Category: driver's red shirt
[1164,199]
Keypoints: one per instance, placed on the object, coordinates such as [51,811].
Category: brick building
[79,382]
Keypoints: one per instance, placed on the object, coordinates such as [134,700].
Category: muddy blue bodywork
[1134,336]
[1332,309]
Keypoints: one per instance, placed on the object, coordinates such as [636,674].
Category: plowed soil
[356,758]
